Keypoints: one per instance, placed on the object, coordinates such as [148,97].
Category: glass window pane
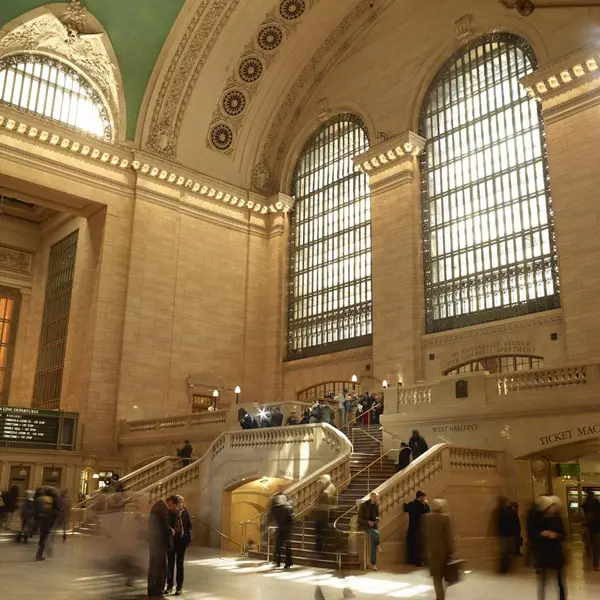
[485,190]
[330,250]
[44,86]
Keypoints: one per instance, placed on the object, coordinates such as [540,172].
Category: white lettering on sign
[471,353]
[241,477]
[448,428]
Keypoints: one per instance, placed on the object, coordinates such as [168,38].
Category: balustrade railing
[541,378]
[184,421]
[414,395]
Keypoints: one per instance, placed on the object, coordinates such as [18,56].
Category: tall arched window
[330,249]
[489,249]
[53,90]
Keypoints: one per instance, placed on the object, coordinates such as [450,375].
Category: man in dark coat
[27,517]
[404,457]
[283,515]
[417,444]
[368,521]
[415,509]
[550,539]
[508,529]
[185,453]
[160,538]
[180,522]
[46,509]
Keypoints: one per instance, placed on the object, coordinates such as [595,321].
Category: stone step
[323,560]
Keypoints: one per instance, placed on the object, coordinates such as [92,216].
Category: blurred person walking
[8,505]
[46,509]
[417,444]
[27,517]
[591,514]
[368,521]
[320,511]
[439,543]
[160,538]
[64,510]
[283,515]
[550,540]
[181,523]
[415,509]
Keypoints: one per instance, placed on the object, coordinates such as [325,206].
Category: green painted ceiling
[137,30]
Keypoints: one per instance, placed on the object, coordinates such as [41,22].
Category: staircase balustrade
[414,395]
[541,378]
[184,421]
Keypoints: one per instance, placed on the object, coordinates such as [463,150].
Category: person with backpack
[185,453]
[46,509]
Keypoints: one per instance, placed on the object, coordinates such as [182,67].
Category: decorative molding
[309,75]
[554,317]
[120,158]
[259,54]
[391,163]
[564,78]
[15,260]
[178,84]
[462,27]
[329,359]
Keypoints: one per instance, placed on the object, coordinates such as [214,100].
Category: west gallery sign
[494,348]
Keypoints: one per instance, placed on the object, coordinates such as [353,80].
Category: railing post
[303,520]
[268,544]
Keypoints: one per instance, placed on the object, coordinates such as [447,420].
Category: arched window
[489,249]
[330,249]
[53,90]
[498,364]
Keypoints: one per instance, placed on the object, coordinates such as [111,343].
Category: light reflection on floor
[364,584]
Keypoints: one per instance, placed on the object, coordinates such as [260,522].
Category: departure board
[33,428]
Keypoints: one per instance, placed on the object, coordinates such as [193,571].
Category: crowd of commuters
[364,409]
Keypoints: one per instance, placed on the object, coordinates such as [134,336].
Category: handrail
[216,531]
[375,405]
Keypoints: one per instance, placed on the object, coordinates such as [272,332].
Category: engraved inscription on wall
[493,348]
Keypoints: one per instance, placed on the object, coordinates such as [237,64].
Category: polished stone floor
[78,570]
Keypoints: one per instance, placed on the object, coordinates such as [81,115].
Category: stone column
[569,91]
[396,257]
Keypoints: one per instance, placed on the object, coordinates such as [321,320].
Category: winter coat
[283,515]
[507,522]
[187,532]
[550,554]
[368,511]
[438,536]
[320,511]
[415,510]
[404,457]
[185,452]
[418,445]
[591,511]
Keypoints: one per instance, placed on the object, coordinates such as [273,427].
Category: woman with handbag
[439,543]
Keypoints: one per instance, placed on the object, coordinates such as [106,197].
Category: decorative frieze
[392,158]
[566,85]
[15,260]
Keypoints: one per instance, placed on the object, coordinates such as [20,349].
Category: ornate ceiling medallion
[234,103]
[250,69]
[221,136]
[292,9]
[269,38]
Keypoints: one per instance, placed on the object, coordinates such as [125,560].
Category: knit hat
[439,505]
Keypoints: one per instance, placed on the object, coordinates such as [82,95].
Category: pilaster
[396,257]
[569,93]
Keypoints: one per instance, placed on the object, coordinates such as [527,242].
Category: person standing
[64,509]
[368,521]
[417,444]
[344,406]
[439,543]
[532,525]
[550,539]
[404,457]
[181,523]
[415,509]
[283,515]
[46,507]
[591,514]
[292,419]
[185,453]
[507,529]
[8,506]
[160,538]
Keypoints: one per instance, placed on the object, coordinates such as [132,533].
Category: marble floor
[76,571]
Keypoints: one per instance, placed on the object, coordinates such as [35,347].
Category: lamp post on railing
[237,393]
[215,398]
[354,382]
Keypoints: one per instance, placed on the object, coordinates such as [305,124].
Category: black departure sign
[33,428]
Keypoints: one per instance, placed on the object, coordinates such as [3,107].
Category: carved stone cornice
[568,85]
[392,159]
[329,359]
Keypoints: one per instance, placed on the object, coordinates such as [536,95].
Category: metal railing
[211,528]
[361,415]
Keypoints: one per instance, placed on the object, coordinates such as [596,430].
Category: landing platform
[72,574]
